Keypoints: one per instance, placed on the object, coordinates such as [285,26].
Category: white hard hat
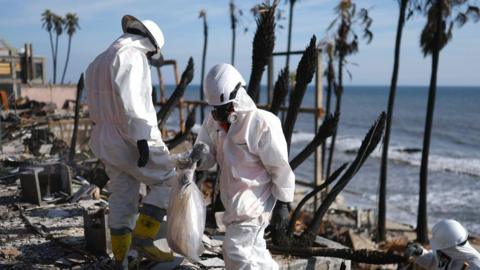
[221,81]
[448,233]
[147,27]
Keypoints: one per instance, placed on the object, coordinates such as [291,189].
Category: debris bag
[186,216]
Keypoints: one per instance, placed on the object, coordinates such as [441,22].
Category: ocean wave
[403,154]
[300,137]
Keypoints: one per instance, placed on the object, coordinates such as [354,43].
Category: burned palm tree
[305,71]
[406,9]
[263,44]
[233,26]
[203,15]
[73,143]
[289,38]
[285,236]
[328,49]
[167,109]
[280,91]
[330,74]
[441,18]
[324,131]
[346,43]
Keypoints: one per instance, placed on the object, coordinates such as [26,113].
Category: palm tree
[203,14]
[233,23]
[346,43]
[289,38]
[330,74]
[47,19]
[58,23]
[441,17]
[71,25]
[404,6]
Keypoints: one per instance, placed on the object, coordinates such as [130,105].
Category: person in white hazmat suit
[249,146]
[450,249]
[125,137]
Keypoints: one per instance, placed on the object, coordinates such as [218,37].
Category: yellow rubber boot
[145,233]
[120,246]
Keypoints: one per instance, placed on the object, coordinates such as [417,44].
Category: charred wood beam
[73,143]
[280,91]
[263,44]
[167,109]
[359,256]
[305,71]
[182,136]
[324,131]
[369,143]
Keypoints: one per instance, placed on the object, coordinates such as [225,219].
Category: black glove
[143,151]
[279,223]
[280,215]
[413,249]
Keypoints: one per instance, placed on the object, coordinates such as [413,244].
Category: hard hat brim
[129,21]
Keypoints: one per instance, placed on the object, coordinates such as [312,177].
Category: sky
[100,26]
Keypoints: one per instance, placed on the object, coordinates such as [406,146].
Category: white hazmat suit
[450,238]
[254,169]
[119,96]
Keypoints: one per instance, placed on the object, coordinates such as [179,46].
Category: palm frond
[263,44]
[324,131]
[280,91]
[305,71]
[182,136]
[473,12]
[369,143]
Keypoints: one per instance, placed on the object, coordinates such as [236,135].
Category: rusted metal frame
[162,93]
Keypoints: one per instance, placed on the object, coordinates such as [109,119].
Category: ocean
[454,167]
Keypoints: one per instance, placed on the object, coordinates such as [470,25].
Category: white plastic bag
[186,217]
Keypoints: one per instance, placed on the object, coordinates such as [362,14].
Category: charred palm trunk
[305,71]
[68,58]
[382,193]
[324,131]
[182,136]
[73,143]
[280,91]
[263,44]
[422,218]
[204,56]
[338,107]
[289,39]
[233,21]
[330,85]
[369,143]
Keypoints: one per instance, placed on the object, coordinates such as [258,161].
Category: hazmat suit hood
[147,28]
[242,102]
[464,253]
[143,44]
[224,84]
